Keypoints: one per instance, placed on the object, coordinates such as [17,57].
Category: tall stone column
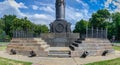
[60,9]
[60,25]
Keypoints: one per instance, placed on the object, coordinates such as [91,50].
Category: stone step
[96,40]
[97,44]
[26,41]
[45,46]
[59,55]
[76,44]
[42,43]
[28,44]
[59,52]
[72,47]
[13,44]
[38,39]
[78,41]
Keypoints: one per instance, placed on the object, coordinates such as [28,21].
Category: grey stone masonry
[60,39]
[92,46]
[60,25]
[27,46]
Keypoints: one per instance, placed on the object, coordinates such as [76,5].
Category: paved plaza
[59,61]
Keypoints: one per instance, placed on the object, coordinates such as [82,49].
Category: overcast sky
[43,11]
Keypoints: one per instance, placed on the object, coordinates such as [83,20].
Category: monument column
[60,9]
[60,25]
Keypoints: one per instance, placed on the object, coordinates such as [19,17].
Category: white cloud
[13,3]
[76,14]
[116,3]
[34,7]
[41,18]
[47,9]
[7,7]
[82,3]
[72,14]
[107,3]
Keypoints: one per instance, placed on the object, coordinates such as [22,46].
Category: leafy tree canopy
[80,26]
[98,18]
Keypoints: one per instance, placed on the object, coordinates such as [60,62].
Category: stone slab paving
[97,58]
[59,61]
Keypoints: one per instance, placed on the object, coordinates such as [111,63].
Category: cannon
[104,53]
[12,52]
[32,54]
[85,54]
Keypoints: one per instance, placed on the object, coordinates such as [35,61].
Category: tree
[2,25]
[80,26]
[2,32]
[7,19]
[98,18]
[44,29]
[22,24]
[116,22]
[27,24]
[16,24]
[111,29]
[41,29]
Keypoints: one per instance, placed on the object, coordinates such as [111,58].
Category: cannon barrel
[32,54]
[85,54]
[12,52]
[104,53]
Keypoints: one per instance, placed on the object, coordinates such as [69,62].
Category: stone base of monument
[91,47]
[60,39]
[49,44]
[28,47]
[77,47]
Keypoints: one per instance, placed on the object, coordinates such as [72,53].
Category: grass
[108,62]
[2,48]
[116,48]
[3,45]
[4,61]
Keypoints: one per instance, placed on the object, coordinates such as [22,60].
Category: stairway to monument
[59,52]
[24,46]
[93,46]
[75,44]
[30,42]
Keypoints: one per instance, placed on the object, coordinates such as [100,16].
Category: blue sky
[43,11]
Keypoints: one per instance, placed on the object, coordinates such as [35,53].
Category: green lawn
[4,61]
[108,62]
[116,48]
[3,45]
[2,48]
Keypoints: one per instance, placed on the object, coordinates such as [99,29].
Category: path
[59,61]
